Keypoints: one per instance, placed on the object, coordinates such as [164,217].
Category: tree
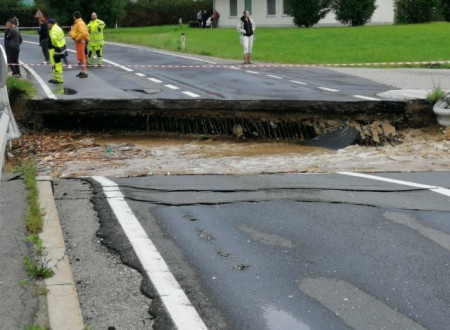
[353,12]
[109,11]
[308,12]
[414,11]
[446,10]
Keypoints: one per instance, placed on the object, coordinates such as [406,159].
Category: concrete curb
[62,300]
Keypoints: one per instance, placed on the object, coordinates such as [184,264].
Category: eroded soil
[72,154]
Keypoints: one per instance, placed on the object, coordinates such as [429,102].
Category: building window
[286,7]
[271,8]
[248,6]
[233,8]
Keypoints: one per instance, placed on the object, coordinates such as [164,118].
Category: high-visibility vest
[57,36]
[95,28]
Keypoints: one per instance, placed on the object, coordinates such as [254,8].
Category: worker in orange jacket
[79,33]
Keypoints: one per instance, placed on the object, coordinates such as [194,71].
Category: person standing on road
[13,39]
[79,33]
[96,40]
[43,39]
[57,45]
[246,27]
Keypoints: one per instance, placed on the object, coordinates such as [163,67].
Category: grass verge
[17,85]
[322,45]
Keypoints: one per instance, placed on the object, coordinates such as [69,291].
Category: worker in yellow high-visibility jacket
[57,49]
[96,41]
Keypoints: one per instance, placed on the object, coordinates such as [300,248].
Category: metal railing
[8,125]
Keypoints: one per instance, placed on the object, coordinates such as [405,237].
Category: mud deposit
[76,154]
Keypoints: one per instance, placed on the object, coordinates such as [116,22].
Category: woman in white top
[246,27]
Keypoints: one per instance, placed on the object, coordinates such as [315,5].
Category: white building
[273,12]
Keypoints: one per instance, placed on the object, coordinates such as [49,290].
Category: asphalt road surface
[331,251]
[205,79]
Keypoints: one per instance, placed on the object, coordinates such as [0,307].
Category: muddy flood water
[72,154]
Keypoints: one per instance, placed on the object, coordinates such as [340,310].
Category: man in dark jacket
[13,39]
[43,39]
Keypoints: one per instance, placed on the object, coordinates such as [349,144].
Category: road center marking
[118,65]
[329,89]
[366,98]
[140,74]
[252,72]
[190,94]
[273,76]
[171,86]
[298,82]
[178,306]
[436,189]
[155,80]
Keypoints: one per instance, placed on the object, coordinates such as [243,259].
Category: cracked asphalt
[286,251]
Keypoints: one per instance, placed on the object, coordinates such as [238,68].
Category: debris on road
[71,154]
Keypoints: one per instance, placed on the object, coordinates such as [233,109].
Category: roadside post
[183,41]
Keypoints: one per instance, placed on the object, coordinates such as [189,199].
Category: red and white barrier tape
[218,66]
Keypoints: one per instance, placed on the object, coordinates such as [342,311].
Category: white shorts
[247,43]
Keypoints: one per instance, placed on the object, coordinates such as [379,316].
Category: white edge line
[48,92]
[329,89]
[436,189]
[171,86]
[190,94]
[180,309]
[366,98]
[161,52]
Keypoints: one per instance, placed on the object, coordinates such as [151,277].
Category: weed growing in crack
[37,268]
[435,95]
[40,290]
[36,244]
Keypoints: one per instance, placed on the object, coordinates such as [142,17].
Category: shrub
[144,13]
[353,12]
[446,10]
[414,11]
[308,12]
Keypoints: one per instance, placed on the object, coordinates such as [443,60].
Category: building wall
[384,14]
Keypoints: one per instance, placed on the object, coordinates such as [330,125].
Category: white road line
[436,189]
[180,309]
[366,98]
[171,86]
[118,65]
[272,76]
[190,94]
[160,52]
[329,89]
[140,74]
[252,72]
[234,68]
[48,92]
[155,80]
[298,82]
[31,42]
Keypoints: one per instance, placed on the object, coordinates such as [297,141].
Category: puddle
[213,148]
[278,319]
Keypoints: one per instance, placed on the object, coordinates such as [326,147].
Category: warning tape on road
[226,66]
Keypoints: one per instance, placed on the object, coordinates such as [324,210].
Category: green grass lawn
[418,42]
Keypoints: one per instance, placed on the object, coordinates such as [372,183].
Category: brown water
[214,148]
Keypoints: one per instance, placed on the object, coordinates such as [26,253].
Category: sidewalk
[18,306]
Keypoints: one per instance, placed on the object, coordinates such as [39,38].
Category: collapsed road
[143,89]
